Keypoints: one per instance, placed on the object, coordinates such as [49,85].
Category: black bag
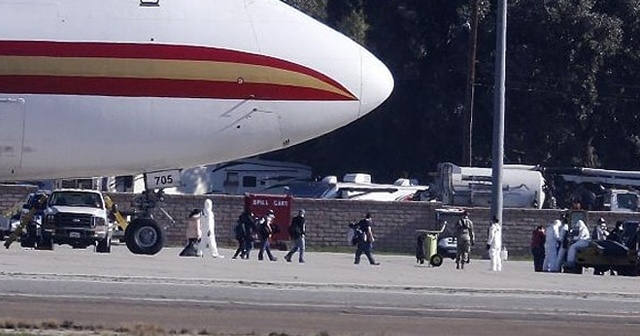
[355,233]
[358,236]
[239,231]
[190,250]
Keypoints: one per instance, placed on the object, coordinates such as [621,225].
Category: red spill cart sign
[259,204]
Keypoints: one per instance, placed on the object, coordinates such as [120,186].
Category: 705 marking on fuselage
[163,179]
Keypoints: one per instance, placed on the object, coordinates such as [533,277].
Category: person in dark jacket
[616,234]
[365,243]
[265,230]
[244,231]
[297,231]
[538,237]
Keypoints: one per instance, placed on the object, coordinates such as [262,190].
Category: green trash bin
[427,247]
[431,248]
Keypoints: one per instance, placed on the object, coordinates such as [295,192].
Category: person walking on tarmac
[552,243]
[244,231]
[494,244]
[365,241]
[208,224]
[297,231]
[265,230]
[465,239]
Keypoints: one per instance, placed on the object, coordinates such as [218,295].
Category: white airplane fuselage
[102,88]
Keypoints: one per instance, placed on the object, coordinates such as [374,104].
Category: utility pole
[498,113]
[467,127]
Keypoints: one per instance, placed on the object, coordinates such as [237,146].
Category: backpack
[263,229]
[355,234]
[238,230]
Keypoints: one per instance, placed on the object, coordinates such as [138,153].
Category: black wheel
[44,242]
[627,270]
[435,260]
[144,236]
[27,241]
[600,270]
[104,246]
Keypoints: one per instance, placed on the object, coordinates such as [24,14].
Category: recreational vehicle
[232,178]
[357,186]
[522,186]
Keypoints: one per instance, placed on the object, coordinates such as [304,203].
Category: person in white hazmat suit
[564,244]
[494,244]
[581,240]
[208,224]
[551,245]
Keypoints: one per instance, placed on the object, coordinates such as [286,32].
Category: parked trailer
[522,186]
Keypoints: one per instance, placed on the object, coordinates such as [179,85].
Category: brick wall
[395,222]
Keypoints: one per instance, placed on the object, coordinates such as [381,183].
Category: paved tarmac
[326,294]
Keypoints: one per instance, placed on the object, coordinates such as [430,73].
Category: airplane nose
[376,84]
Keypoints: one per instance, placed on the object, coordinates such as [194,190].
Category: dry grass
[15,327]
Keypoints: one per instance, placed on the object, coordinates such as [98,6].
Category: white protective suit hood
[208,205]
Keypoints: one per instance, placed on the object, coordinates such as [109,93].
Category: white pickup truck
[77,218]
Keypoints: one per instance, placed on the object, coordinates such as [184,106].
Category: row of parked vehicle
[74,217]
[82,218]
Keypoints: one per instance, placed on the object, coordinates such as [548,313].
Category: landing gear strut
[144,235]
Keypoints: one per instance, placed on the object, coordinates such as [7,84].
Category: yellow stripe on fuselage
[159,69]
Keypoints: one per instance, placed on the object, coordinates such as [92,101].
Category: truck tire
[27,240]
[44,242]
[144,236]
[104,246]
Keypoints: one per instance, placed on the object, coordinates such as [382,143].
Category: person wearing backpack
[363,236]
[238,231]
[465,239]
[265,230]
[297,231]
[243,231]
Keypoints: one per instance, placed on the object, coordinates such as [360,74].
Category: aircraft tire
[144,236]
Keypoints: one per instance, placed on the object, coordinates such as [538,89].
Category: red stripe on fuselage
[162,52]
[135,87]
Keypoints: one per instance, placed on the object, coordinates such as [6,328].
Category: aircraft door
[12,113]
